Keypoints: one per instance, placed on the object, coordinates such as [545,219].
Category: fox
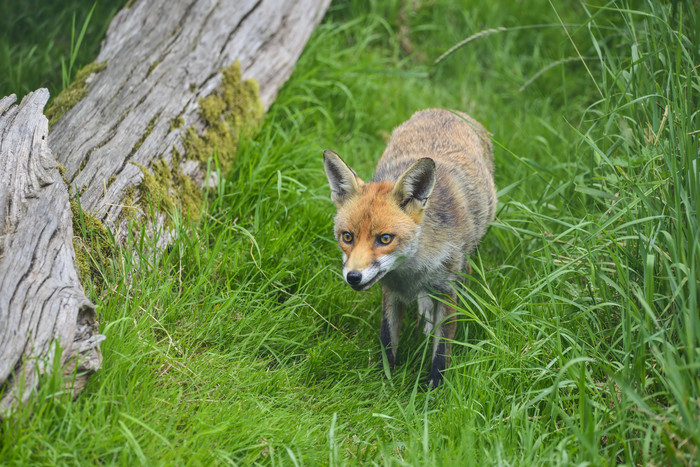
[413,225]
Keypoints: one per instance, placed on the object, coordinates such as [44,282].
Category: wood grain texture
[161,57]
[41,299]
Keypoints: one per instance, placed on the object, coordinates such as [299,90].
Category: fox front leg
[392,315]
[442,344]
[426,313]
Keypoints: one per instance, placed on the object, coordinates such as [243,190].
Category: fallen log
[175,83]
[41,300]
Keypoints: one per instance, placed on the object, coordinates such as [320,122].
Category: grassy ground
[579,334]
[42,44]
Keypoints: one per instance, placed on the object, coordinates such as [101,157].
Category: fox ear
[343,180]
[414,187]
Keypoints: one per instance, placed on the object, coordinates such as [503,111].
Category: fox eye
[385,239]
[347,237]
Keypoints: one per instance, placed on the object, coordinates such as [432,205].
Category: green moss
[74,93]
[129,203]
[81,260]
[176,122]
[111,180]
[235,107]
[92,243]
[149,129]
[154,189]
[152,67]
[163,189]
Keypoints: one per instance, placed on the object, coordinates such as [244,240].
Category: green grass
[579,335]
[44,43]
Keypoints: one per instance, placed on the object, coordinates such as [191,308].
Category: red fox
[430,201]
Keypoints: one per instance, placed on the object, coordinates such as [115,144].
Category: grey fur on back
[463,201]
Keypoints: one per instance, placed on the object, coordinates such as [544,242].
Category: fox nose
[354,277]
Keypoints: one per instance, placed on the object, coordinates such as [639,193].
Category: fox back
[428,205]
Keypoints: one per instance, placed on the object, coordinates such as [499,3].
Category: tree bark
[162,57]
[41,300]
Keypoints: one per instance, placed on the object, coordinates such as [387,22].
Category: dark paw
[435,379]
[440,363]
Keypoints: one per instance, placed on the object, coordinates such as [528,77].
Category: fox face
[378,224]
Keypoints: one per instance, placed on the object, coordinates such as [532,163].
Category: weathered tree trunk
[136,126]
[41,300]
[145,116]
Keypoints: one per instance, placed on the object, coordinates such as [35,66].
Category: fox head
[378,223]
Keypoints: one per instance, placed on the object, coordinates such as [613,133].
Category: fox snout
[364,278]
[354,277]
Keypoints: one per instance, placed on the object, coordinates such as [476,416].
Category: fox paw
[435,379]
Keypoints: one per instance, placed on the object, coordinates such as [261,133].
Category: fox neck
[408,278]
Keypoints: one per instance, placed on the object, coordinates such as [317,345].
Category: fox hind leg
[392,315]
